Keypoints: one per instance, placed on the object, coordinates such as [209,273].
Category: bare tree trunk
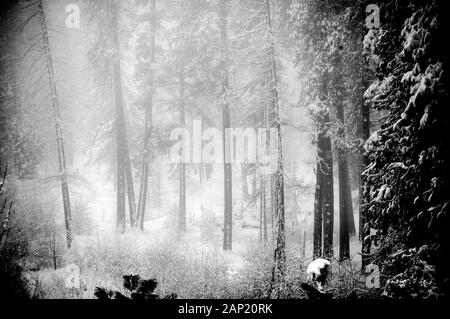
[261,206]
[120,122]
[55,264]
[279,268]
[318,200]
[344,236]
[344,209]
[228,197]
[142,201]
[304,245]
[328,196]
[264,210]
[182,194]
[58,126]
[244,184]
[129,180]
[351,217]
[254,188]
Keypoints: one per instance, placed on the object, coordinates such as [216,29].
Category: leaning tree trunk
[228,197]
[244,183]
[58,125]
[147,129]
[129,179]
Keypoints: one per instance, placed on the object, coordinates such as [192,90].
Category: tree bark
[318,200]
[344,189]
[279,268]
[120,122]
[344,236]
[264,210]
[129,179]
[244,184]
[328,195]
[58,125]
[182,193]
[148,127]
[351,217]
[228,213]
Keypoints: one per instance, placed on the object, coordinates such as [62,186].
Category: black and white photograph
[262,150]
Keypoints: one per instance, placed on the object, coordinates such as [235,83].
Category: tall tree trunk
[279,268]
[328,196]
[142,201]
[327,170]
[228,207]
[58,125]
[318,199]
[344,236]
[182,193]
[344,209]
[120,122]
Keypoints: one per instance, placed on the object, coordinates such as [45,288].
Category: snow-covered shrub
[414,274]
[12,282]
[178,269]
[255,277]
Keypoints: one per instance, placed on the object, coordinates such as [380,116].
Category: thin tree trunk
[264,210]
[245,184]
[279,268]
[58,125]
[182,194]
[304,245]
[55,264]
[142,201]
[129,180]
[261,206]
[351,217]
[254,188]
[228,209]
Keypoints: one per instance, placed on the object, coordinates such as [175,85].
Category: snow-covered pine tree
[407,180]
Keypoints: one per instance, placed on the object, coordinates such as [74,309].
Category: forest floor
[193,265]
